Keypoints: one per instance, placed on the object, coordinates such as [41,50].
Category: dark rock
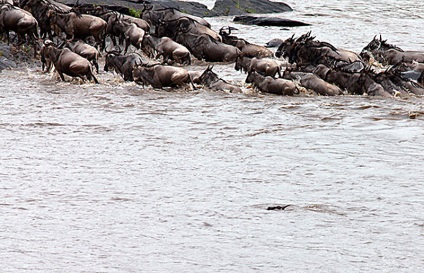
[278,207]
[276,42]
[268,21]
[6,63]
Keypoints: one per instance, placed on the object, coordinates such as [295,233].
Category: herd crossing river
[114,177]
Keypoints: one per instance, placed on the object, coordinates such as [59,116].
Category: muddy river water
[116,178]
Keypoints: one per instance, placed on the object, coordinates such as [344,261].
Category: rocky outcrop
[239,7]
[221,8]
[5,57]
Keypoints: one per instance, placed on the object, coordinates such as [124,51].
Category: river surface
[116,178]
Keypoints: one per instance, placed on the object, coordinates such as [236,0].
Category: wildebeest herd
[164,41]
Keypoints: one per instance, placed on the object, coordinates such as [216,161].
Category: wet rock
[268,21]
[6,63]
[277,207]
[276,42]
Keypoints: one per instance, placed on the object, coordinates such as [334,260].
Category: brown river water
[116,178]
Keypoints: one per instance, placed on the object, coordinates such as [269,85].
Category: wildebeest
[227,38]
[305,51]
[46,63]
[159,76]
[313,82]
[204,47]
[356,83]
[39,9]
[85,50]
[268,84]
[133,36]
[388,54]
[211,80]
[154,16]
[21,22]
[167,48]
[123,65]
[116,24]
[67,62]
[252,50]
[79,25]
[264,66]
[184,24]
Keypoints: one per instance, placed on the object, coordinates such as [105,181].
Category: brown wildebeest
[186,24]
[67,62]
[154,16]
[46,62]
[348,81]
[388,54]
[204,47]
[21,22]
[133,36]
[195,76]
[268,84]
[305,50]
[357,83]
[313,82]
[39,9]
[252,50]
[115,28]
[264,66]
[166,47]
[123,65]
[211,80]
[85,50]
[227,38]
[159,76]
[79,25]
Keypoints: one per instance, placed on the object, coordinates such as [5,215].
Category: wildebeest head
[282,49]
[140,74]
[109,61]
[208,76]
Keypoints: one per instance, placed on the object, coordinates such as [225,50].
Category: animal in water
[85,50]
[122,64]
[313,82]
[67,62]
[170,51]
[160,76]
[204,47]
[268,84]
[253,50]
[264,66]
[212,81]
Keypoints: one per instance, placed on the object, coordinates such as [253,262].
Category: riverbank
[15,57]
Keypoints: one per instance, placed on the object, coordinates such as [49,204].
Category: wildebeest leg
[279,72]
[127,44]
[192,84]
[91,76]
[61,75]
[96,65]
